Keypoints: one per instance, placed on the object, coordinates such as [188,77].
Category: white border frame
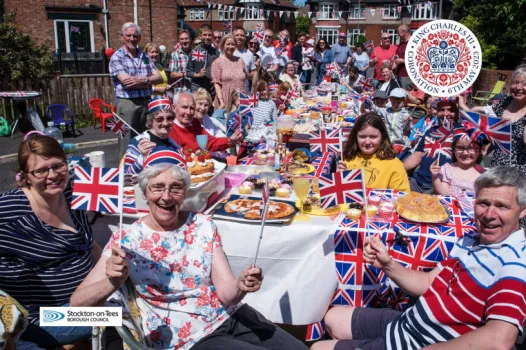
[66,25]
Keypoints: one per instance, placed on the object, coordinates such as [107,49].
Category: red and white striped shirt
[476,283]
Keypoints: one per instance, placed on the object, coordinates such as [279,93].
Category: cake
[199,165]
[244,189]
[283,192]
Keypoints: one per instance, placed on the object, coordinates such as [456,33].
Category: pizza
[421,208]
[251,209]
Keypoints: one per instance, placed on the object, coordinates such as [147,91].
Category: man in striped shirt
[474,299]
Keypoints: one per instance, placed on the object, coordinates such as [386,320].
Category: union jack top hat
[165,155]
[158,103]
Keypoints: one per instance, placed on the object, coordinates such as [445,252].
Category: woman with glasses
[184,288]
[253,45]
[159,122]
[46,249]
[323,56]
[459,177]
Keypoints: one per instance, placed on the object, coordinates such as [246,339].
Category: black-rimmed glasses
[58,168]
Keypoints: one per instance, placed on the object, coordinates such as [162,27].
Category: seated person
[185,291]
[396,118]
[159,122]
[431,147]
[289,74]
[459,176]
[186,127]
[43,243]
[474,299]
[368,147]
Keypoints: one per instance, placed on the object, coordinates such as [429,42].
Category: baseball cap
[398,93]
[380,94]
[342,34]
[310,42]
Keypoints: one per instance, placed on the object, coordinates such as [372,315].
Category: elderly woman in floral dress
[186,292]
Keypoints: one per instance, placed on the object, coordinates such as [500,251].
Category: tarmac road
[8,167]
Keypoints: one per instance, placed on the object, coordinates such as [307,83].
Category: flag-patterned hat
[158,103]
[165,155]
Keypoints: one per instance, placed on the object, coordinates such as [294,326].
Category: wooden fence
[74,91]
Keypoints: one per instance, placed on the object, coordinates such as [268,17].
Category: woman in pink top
[458,177]
[228,72]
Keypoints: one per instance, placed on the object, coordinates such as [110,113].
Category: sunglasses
[386,38]
[162,119]
[252,44]
[217,37]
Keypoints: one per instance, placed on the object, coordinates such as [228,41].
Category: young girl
[266,110]
[368,147]
[459,176]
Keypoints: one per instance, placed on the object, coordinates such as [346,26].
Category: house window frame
[357,9]
[393,34]
[197,14]
[326,11]
[66,28]
[253,11]
[390,12]
[421,15]
[353,34]
[333,35]
[229,14]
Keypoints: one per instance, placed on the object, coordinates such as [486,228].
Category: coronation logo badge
[443,58]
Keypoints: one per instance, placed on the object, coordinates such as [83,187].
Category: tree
[20,56]
[302,25]
[499,27]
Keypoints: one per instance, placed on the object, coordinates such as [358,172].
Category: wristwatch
[148,82]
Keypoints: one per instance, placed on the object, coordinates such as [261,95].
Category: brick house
[245,13]
[369,18]
[79,25]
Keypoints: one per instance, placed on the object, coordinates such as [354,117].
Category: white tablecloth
[297,262]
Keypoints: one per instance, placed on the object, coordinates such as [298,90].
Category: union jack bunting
[342,187]
[198,55]
[119,127]
[497,130]
[96,189]
[326,141]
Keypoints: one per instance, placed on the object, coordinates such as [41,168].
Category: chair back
[96,106]
[59,114]
[497,89]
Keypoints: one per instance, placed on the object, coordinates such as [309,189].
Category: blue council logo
[53,316]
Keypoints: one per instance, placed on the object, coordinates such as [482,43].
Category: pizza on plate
[251,209]
[421,208]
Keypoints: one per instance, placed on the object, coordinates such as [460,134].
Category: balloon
[162,48]
[109,52]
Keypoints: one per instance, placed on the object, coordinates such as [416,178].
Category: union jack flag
[234,121]
[342,187]
[198,55]
[497,130]
[315,331]
[326,141]
[393,297]
[331,68]
[118,126]
[247,102]
[293,92]
[369,45]
[259,26]
[177,47]
[75,29]
[259,35]
[439,142]
[96,189]
[365,84]
[227,26]
[265,194]
[323,164]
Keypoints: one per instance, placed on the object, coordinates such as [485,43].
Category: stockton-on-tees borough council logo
[443,58]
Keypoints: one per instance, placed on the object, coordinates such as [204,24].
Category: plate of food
[249,209]
[424,208]
[311,206]
[300,168]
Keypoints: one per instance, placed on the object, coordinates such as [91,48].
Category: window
[356,12]
[326,11]
[252,12]
[330,35]
[225,14]
[197,14]
[354,34]
[426,12]
[74,36]
[390,12]
[395,39]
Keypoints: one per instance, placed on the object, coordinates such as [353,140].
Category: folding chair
[483,97]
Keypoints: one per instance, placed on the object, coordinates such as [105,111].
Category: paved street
[8,167]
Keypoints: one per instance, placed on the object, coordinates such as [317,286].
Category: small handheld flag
[342,187]
[97,189]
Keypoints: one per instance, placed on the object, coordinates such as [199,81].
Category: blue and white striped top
[265,112]
[41,265]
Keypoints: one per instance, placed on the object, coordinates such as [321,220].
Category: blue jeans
[50,337]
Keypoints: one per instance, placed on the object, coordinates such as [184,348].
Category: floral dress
[518,148]
[171,273]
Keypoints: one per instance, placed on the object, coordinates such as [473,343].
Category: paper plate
[310,169]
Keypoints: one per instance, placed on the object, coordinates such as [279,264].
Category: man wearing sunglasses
[382,53]
[268,50]
[199,67]
[216,38]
